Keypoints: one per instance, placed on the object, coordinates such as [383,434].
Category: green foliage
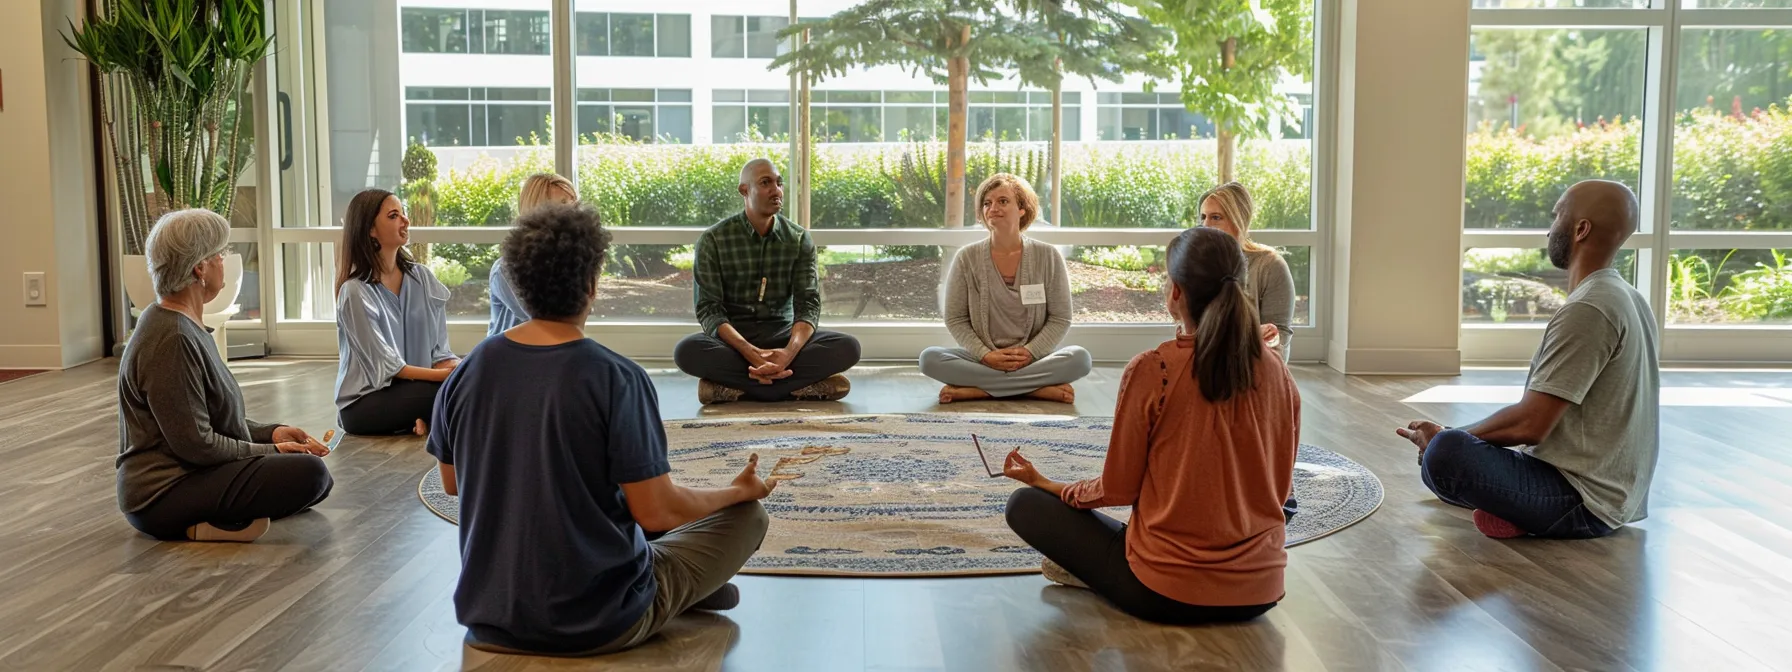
[1504,260]
[916,178]
[1120,258]
[1515,179]
[683,257]
[419,162]
[1036,41]
[1764,293]
[174,74]
[449,271]
[1268,38]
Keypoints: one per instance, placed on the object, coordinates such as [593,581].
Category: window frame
[1665,22]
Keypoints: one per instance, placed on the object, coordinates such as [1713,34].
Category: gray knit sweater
[974,279]
[179,409]
[1271,283]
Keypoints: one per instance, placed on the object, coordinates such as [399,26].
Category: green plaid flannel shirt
[731,260]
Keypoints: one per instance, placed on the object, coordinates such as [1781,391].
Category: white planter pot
[142,293]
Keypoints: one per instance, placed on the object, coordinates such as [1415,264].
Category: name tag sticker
[1032,295]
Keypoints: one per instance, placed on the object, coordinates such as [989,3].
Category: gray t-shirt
[1599,354]
[1008,323]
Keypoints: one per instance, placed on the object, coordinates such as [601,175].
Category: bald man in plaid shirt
[759,301]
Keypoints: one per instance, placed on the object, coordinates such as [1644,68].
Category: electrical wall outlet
[36,293]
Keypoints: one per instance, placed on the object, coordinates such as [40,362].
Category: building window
[750,116]
[516,32]
[901,116]
[434,31]
[1148,116]
[644,115]
[746,36]
[639,35]
[476,117]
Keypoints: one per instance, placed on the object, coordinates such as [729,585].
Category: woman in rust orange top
[1205,434]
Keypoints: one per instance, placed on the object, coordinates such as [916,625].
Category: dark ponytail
[1209,267]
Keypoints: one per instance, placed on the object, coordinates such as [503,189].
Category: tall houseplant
[173,75]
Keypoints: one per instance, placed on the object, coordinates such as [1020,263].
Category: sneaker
[1496,527]
[1056,573]
[244,534]
[833,389]
[711,392]
[725,598]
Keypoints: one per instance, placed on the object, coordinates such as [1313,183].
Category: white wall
[46,184]
[1396,253]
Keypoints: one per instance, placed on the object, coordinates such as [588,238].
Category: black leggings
[1092,547]
[234,493]
[393,409]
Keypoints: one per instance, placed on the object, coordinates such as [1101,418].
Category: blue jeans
[1523,490]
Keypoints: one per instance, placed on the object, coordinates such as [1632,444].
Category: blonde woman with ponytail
[1268,282]
[538,190]
[1203,445]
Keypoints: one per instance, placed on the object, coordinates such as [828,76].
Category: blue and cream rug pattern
[910,497]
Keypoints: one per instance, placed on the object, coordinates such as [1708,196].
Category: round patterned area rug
[907,495]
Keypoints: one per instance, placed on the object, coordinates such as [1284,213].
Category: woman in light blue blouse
[538,190]
[391,323]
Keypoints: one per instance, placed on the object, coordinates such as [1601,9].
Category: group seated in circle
[575,539]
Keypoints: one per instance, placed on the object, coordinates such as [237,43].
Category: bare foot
[951,393]
[1060,393]
[421,429]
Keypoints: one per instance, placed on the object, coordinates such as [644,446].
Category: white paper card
[1032,295]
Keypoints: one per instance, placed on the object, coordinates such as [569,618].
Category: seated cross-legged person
[1007,303]
[190,464]
[554,444]
[759,301]
[1203,447]
[1589,422]
[538,190]
[391,323]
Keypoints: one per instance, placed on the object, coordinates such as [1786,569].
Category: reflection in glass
[1508,285]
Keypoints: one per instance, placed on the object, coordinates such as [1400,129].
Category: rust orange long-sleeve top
[1206,481]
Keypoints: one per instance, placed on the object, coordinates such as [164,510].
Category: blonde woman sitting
[1268,283]
[538,190]
[1007,304]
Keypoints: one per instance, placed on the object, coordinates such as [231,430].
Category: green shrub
[1764,293]
[449,271]
[1504,260]
[1121,258]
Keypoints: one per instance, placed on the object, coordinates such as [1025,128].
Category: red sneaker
[1496,527]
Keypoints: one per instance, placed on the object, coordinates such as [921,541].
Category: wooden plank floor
[364,582]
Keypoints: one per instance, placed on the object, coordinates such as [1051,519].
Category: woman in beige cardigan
[1007,304]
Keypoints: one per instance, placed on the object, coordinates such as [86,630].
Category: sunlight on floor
[1726,397]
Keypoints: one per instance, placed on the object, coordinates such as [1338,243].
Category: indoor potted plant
[176,112]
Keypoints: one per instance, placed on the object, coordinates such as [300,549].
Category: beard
[1559,247]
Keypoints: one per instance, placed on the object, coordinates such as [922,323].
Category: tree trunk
[1228,143]
[958,80]
[1057,155]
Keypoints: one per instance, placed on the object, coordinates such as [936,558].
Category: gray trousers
[959,368]
[689,563]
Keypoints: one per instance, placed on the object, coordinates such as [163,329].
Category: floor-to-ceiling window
[450,104]
[1685,101]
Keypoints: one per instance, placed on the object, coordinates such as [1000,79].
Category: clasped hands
[1008,359]
[773,364]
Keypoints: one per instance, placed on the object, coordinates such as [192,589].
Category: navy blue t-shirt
[541,437]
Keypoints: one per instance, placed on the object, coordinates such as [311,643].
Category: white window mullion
[1569,18]
[564,48]
[1732,18]
[1657,176]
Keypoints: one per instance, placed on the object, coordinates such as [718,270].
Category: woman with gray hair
[190,464]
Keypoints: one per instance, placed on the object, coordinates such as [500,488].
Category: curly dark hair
[552,258]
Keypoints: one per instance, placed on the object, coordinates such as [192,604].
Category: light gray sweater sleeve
[1057,304]
[173,384]
[957,304]
[1275,296]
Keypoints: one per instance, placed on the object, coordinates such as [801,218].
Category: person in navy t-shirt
[554,444]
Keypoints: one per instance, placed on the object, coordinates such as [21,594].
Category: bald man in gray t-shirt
[1574,457]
